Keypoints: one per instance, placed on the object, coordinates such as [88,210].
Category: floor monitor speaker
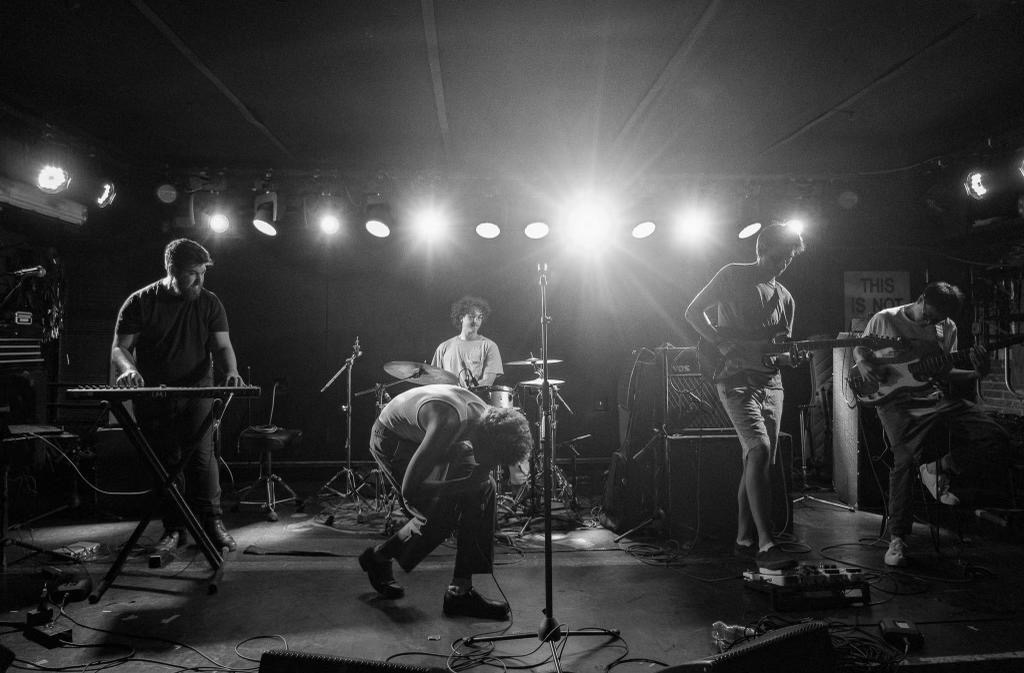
[800,648]
[290,661]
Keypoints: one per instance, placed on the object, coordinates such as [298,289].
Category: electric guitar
[716,366]
[914,375]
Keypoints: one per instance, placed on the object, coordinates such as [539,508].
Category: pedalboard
[810,586]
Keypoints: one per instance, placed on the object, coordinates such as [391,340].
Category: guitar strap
[769,309]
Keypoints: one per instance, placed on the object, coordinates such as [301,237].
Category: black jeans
[170,426]
[470,512]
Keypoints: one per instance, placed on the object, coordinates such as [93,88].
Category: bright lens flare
[219,223]
[330,224]
[53,179]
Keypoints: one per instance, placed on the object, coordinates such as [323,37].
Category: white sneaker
[896,554]
[937,484]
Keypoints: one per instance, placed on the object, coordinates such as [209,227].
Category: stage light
[430,223]
[749,230]
[219,222]
[975,184]
[378,228]
[488,230]
[53,179]
[265,213]
[643,229]
[378,214]
[107,194]
[693,225]
[326,212]
[166,193]
[537,230]
[588,223]
[794,225]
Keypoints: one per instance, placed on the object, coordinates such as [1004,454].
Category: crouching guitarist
[911,403]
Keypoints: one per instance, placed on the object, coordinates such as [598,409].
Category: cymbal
[533,362]
[419,373]
[537,383]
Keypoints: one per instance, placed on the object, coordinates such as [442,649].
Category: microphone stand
[351,489]
[550,630]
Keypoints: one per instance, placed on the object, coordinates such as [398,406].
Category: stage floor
[295,584]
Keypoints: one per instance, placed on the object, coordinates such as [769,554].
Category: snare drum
[496,396]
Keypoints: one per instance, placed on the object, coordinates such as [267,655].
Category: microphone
[470,379]
[30,272]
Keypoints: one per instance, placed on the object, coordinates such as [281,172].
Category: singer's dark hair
[945,297]
[183,252]
[468,304]
[506,433]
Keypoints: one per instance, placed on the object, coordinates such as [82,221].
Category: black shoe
[169,542]
[219,535]
[744,551]
[472,604]
[381,577]
[774,558]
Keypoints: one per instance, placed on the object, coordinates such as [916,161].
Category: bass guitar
[915,375]
[715,366]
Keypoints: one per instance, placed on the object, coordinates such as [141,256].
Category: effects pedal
[902,634]
[811,586]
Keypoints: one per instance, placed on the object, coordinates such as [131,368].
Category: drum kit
[522,480]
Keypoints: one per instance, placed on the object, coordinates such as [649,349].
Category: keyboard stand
[167,481]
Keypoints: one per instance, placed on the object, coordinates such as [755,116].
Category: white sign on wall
[867,292]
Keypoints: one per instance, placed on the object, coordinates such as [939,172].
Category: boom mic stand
[346,473]
[550,630]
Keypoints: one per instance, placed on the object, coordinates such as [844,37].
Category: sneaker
[896,554]
[472,604]
[744,551]
[937,484]
[381,577]
[774,558]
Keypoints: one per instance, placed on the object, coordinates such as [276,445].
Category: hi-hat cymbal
[419,373]
[533,362]
[537,383]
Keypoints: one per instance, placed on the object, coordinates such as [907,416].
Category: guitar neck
[813,345]
[960,359]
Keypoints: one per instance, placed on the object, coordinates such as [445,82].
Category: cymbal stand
[346,473]
[550,630]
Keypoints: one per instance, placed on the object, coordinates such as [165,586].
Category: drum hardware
[533,362]
[496,396]
[352,487]
[419,373]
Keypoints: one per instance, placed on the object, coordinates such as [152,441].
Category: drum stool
[267,439]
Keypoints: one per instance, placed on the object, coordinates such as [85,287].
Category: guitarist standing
[752,308]
[908,417]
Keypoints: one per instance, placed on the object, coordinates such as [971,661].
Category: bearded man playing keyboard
[172,332]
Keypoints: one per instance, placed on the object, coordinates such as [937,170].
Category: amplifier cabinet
[703,473]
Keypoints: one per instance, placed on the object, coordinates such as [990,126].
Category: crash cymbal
[537,383]
[419,373]
[533,362]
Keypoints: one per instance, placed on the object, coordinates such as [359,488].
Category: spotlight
[326,212]
[219,222]
[537,230]
[749,230]
[166,193]
[107,194]
[53,179]
[265,213]
[208,209]
[976,184]
[643,229]
[430,223]
[488,230]
[795,225]
[378,215]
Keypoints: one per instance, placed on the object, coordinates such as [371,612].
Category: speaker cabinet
[859,475]
[290,661]
[690,402]
[800,648]
[703,473]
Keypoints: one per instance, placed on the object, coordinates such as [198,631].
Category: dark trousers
[978,446]
[470,512]
[170,426]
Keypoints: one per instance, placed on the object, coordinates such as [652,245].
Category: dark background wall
[297,303]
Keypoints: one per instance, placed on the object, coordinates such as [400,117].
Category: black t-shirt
[174,334]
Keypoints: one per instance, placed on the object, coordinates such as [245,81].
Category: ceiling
[555,91]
